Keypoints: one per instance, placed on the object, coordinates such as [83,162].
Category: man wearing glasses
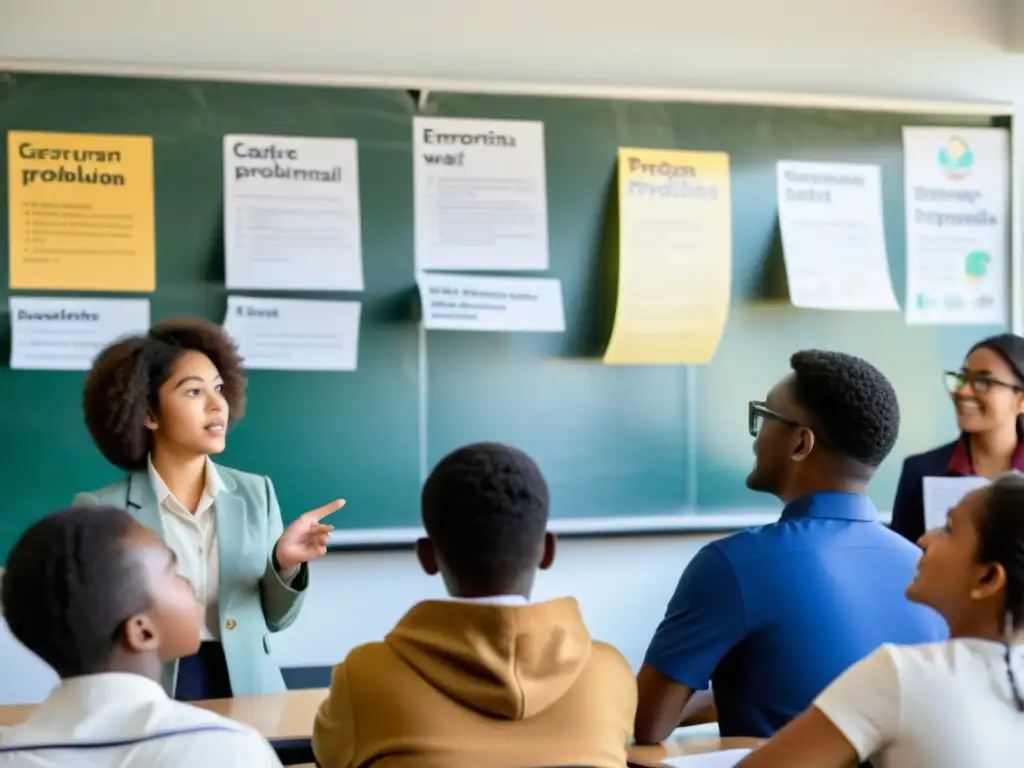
[771,615]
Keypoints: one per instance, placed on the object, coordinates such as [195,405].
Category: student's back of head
[486,676]
[97,596]
[485,511]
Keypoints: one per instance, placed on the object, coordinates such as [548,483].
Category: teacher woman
[988,394]
[158,406]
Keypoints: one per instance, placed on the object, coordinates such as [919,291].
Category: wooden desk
[651,757]
[278,717]
[289,717]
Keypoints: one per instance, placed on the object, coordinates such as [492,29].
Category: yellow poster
[675,257]
[81,212]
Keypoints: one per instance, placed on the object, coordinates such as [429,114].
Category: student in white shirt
[956,704]
[158,406]
[98,597]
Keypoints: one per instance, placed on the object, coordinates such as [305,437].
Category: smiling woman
[988,395]
[158,406]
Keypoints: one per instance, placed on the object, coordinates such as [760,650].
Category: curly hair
[69,586]
[852,405]
[123,387]
[485,509]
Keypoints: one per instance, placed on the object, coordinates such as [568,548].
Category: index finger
[321,512]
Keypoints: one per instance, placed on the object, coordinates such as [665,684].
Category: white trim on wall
[568,90]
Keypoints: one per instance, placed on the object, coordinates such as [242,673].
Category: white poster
[469,303]
[958,227]
[833,236]
[66,334]
[291,214]
[480,194]
[294,334]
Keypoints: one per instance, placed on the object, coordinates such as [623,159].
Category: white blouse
[193,538]
[937,705]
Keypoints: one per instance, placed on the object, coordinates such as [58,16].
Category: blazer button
[230,624]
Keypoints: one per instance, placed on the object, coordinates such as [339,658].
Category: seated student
[98,597]
[988,395]
[487,677]
[956,704]
[773,614]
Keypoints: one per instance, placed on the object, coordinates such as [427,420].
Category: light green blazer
[254,601]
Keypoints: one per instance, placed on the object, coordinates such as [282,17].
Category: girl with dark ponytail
[956,704]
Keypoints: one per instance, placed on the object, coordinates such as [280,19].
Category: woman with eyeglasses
[954,704]
[988,395]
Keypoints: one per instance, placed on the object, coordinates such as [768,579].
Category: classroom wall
[943,48]
[921,48]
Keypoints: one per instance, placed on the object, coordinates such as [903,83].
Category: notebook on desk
[725,759]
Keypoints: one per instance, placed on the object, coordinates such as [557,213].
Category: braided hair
[70,585]
[1001,540]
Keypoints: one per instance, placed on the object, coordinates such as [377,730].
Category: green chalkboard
[626,445]
[319,435]
[644,441]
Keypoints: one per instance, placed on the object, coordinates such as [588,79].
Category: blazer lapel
[142,503]
[229,512]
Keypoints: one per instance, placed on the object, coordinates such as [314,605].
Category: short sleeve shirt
[772,615]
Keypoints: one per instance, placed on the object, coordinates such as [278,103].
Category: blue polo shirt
[772,615]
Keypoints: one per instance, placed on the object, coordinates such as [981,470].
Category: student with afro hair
[486,677]
[158,406]
[769,616]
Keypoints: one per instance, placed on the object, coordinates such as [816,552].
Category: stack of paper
[725,759]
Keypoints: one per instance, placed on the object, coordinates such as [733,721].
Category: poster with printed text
[291,214]
[833,236]
[480,194]
[674,257]
[80,212]
[958,225]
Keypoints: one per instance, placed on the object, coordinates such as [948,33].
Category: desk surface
[290,716]
[651,757]
[281,716]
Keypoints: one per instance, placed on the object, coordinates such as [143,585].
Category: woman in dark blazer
[988,394]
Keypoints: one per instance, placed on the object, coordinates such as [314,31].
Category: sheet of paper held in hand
[725,759]
[941,494]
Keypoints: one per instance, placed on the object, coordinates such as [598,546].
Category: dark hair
[852,405]
[485,509]
[70,585]
[122,388]
[1001,540]
[1010,347]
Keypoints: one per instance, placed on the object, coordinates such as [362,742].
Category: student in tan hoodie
[486,678]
